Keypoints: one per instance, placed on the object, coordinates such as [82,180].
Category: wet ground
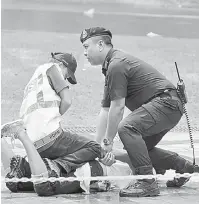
[187,194]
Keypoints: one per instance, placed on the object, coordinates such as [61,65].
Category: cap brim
[71,77]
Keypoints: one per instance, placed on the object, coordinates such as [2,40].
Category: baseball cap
[94,31]
[69,62]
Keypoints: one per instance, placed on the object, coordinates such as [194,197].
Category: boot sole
[147,194]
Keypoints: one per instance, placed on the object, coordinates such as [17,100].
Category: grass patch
[23,51]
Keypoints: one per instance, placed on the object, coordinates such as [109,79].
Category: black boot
[19,168]
[182,166]
[142,187]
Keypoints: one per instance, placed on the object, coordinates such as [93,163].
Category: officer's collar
[107,61]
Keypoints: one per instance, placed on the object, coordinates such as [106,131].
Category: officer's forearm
[101,124]
[114,117]
[64,106]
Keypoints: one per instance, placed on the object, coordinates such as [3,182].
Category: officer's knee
[121,128]
[124,127]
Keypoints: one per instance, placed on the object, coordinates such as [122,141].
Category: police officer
[155,109]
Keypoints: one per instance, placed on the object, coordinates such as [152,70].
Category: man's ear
[100,45]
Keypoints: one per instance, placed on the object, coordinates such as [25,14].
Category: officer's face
[92,51]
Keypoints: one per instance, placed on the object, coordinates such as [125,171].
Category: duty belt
[171,92]
[47,140]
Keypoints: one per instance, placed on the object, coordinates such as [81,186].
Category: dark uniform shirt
[131,78]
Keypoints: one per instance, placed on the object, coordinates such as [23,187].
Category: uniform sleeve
[117,80]
[56,81]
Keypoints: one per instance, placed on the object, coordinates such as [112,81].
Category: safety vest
[40,107]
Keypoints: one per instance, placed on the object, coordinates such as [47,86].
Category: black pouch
[167,100]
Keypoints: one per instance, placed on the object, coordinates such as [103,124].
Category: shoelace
[131,184]
[134,184]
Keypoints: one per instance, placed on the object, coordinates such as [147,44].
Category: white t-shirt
[117,169]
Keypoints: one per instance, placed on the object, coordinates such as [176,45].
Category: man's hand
[109,159]
[108,148]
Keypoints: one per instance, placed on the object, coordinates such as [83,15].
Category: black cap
[69,62]
[94,31]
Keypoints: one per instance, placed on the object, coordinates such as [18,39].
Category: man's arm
[115,115]
[66,100]
[61,87]
[103,116]
[117,84]
[102,124]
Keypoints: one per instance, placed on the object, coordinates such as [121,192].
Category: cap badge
[84,34]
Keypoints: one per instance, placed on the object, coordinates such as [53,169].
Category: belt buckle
[52,135]
[166,91]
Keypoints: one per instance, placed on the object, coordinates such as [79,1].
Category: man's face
[92,51]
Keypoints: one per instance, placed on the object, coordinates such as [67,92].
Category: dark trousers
[144,128]
[71,151]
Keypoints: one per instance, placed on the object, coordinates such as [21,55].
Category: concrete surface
[185,195]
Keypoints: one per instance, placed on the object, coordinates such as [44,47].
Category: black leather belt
[172,92]
[167,92]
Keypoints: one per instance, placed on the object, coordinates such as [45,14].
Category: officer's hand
[108,159]
[107,148]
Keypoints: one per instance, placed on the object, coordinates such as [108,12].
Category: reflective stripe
[40,79]
[40,97]
[47,139]
[45,104]
[36,86]
[32,86]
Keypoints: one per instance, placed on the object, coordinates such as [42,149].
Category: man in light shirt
[46,98]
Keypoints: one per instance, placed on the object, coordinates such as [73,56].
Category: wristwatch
[107,141]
